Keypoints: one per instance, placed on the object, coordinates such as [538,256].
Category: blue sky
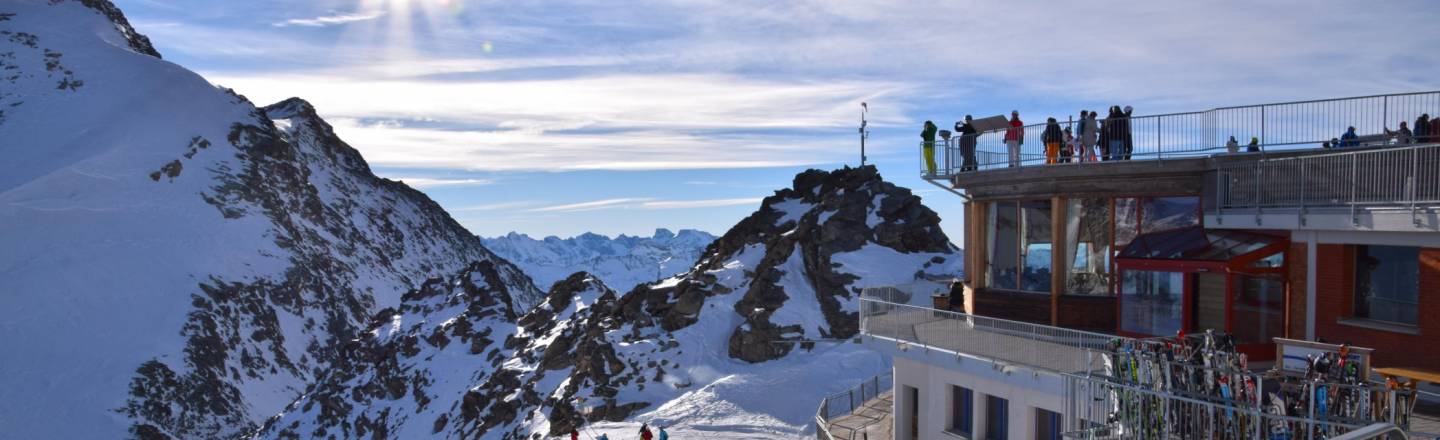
[556,118]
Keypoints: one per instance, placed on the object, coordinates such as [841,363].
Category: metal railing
[1036,346]
[1276,127]
[846,402]
[1395,176]
[1098,408]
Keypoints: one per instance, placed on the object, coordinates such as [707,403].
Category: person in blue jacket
[1349,139]
[663,435]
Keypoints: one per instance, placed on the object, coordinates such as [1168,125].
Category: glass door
[1152,302]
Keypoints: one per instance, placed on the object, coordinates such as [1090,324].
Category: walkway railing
[1395,176]
[1035,346]
[1098,408]
[1276,127]
[846,402]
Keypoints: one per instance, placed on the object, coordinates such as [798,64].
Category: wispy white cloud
[501,206]
[649,204]
[592,205]
[330,20]
[709,203]
[619,122]
[425,182]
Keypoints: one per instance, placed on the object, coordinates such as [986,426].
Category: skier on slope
[574,435]
[645,428]
[663,435]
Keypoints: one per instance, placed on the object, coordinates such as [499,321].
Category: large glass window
[1019,238]
[1004,245]
[997,418]
[1166,213]
[1258,308]
[1047,425]
[1087,246]
[1035,245]
[1387,283]
[962,412]
[1152,302]
[1127,220]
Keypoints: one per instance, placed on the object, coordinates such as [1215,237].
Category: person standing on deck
[1015,137]
[1052,139]
[1089,132]
[1126,139]
[1233,146]
[928,147]
[1421,130]
[1349,139]
[1254,146]
[967,144]
[1402,136]
[1071,149]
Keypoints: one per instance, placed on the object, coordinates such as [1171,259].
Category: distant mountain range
[621,262]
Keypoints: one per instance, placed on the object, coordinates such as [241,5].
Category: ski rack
[1198,386]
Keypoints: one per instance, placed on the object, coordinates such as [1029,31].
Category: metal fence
[1036,346]
[846,402]
[1275,127]
[1395,176]
[1098,408]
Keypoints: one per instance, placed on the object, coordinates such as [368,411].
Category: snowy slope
[622,262]
[694,351]
[173,263]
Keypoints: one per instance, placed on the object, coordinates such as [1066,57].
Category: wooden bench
[1408,378]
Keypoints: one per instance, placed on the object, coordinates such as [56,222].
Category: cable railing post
[1354,176]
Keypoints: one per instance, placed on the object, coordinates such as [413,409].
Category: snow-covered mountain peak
[188,267]
[623,262]
[695,351]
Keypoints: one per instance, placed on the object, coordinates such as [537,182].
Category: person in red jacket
[574,435]
[1014,137]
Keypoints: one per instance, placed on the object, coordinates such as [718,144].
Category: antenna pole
[864,108]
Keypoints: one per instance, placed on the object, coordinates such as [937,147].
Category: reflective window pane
[1152,302]
[1035,246]
[1004,245]
[1258,309]
[1167,213]
[1387,283]
[1127,220]
[1087,244]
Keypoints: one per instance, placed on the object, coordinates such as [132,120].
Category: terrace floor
[872,421]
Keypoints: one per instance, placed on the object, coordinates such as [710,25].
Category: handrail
[1035,346]
[1275,126]
[844,403]
[1406,176]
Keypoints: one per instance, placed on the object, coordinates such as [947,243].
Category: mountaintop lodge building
[1302,241]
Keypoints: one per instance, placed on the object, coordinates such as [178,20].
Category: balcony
[1384,189]
[1157,139]
[998,342]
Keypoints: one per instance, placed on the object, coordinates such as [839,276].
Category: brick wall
[1334,291]
[1297,262]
